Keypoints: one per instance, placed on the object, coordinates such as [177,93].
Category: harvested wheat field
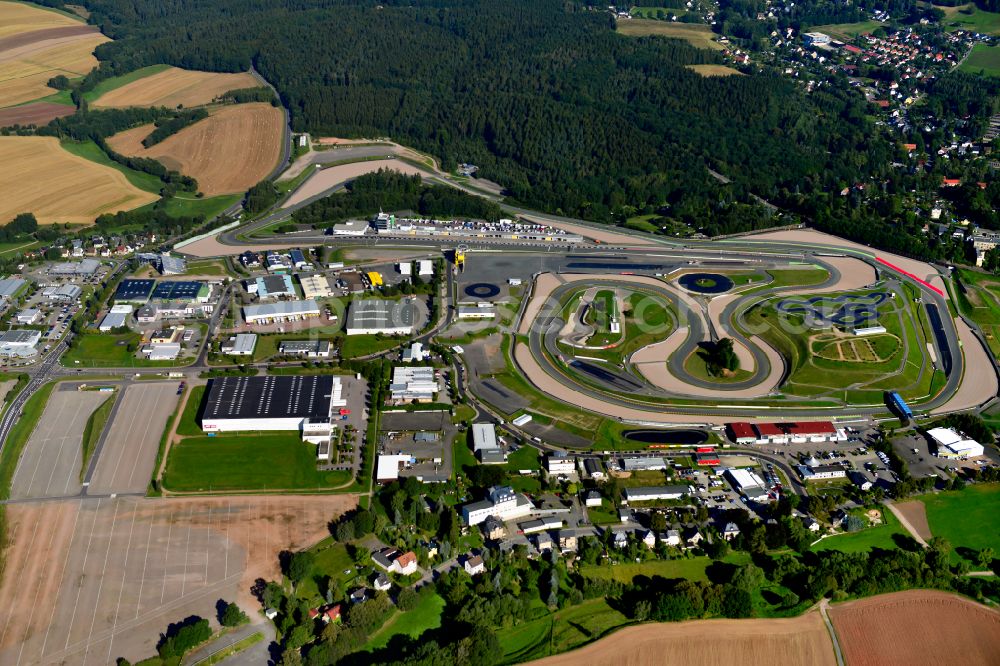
[236,147]
[60,187]
[30,56]
[917,627]
[16,18]
[800,640]
[87,581]
[714,70]
[173,87]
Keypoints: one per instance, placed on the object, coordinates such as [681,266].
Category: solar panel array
[294,396]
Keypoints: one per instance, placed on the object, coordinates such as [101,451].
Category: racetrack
[979,383]
[325,179]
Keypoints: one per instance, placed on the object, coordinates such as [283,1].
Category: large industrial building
[282,311]
[270,403]
[413,384]
[747,483]
[116,317]
[373,315]
[19,343]
[951,444]
[134,291]
[784,433]
[272,286]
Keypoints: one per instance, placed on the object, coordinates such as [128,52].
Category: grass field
[168,86]
[864,540]
[42,44]
[691,568]
[980,302]
[565,630]
[412,623]
[969,17]
[246,134]
[966,518]
[91,151]
[92,431]
[209,207]
[58,186]
[362,345]
[714,70]
[247,462]
[188,425]
[847,31]
[698,35]
[983,60]
[103,350]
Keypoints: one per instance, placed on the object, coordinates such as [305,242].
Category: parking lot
[427,436]
[51,461]
[127,457]
[918,453]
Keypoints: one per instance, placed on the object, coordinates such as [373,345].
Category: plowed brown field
[234,148]
[39,113]
[173,87]
[917,627]
[57,186]
[800,640]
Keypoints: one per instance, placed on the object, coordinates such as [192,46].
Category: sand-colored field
[913,516]
[57,186]
[979,381]
[28,60]
[16,18]
[698,35]
[236,147]
[174,86]
[714,70]
[800,640]
[87,581]
[917,627]
[338,175]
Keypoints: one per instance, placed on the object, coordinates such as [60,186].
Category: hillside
[542,95]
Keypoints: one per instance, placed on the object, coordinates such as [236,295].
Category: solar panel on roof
[176,290]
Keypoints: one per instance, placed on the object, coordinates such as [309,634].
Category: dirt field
[37,44]
[917,627]
[91,580]
[801,640]
[50,464]
[174,86]
[714,70]
[129,453]
[59,187]
[39,113]
[915,515]
[248,135]
[327,178]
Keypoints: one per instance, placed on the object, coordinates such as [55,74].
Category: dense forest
[542,95]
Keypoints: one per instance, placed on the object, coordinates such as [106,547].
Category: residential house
[474,565]
[381,582]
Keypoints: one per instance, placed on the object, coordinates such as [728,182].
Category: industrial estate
[287,398]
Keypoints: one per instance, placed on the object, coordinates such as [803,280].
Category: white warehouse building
[289,402]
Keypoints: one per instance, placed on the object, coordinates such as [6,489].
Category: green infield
[646,319]
[247,461]
[880,536]
[92,431]
[412,623]
[967,517]
[832,362]
[983,60]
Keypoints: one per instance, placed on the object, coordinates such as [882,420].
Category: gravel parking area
[50,464]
